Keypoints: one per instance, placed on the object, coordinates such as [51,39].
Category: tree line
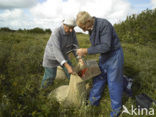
[34,30]
[138,28]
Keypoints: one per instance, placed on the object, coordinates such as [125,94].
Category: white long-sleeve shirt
[57,47]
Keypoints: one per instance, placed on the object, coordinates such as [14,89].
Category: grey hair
[83,17]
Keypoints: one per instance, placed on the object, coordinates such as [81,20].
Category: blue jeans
[50,74]
[112,73]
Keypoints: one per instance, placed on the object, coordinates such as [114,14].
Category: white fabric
[64,61]
[69,21]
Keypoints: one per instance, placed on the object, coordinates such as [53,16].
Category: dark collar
[94,26]
[62,29]
[95,22]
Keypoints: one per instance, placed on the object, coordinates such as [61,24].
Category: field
[21,73]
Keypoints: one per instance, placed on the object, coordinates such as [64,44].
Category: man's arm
[57,49]
[103,47]
[58,53]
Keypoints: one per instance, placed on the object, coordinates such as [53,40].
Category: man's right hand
[69,68]
[81,51]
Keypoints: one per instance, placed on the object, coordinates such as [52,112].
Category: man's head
[84,21]
[69,24]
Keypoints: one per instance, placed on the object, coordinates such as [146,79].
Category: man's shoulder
[58,30]
[102,21]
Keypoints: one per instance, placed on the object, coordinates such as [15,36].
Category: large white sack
[72,94]
[60,74]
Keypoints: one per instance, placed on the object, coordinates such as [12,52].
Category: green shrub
[21,72]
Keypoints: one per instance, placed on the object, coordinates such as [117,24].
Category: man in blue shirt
[104,41]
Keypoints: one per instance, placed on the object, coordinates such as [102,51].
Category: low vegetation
[21,71]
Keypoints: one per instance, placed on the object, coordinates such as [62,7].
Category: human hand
[69,68]
[81,61]
[81,52]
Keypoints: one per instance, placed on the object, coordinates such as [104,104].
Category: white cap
[69,21]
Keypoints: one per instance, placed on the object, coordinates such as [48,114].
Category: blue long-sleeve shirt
[103,38]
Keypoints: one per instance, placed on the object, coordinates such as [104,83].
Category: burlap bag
[72,94]
[75,93]
[60,73]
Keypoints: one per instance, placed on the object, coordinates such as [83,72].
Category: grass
[21,73]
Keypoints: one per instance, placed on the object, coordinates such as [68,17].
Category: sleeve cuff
[64,61]
[90,50]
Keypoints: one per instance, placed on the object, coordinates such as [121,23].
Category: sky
[27,14]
